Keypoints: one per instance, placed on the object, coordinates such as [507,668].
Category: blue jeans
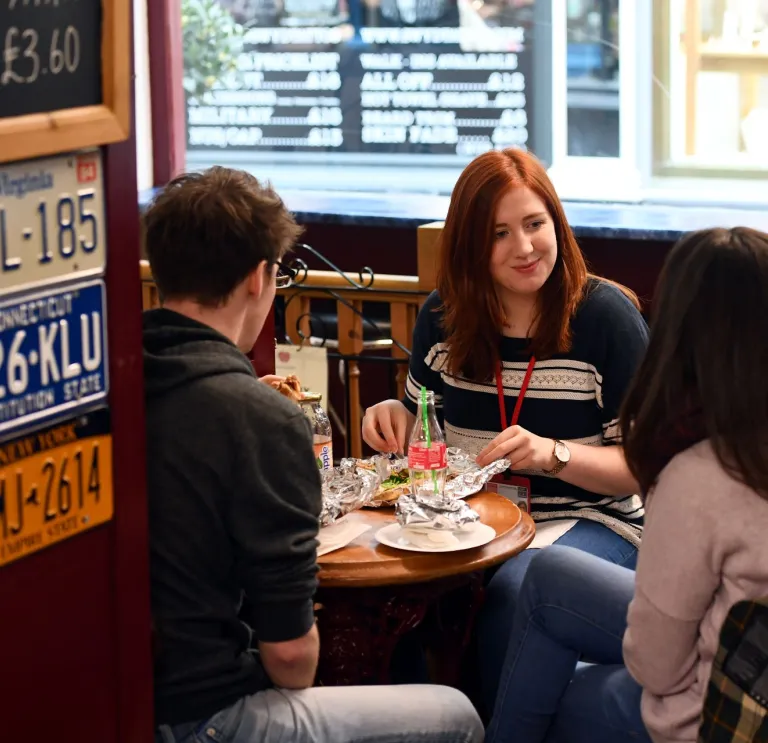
[495,621]
[338,714]
[571,605]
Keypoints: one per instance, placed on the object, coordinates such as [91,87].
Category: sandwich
[289,387]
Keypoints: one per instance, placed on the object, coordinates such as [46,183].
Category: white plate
[476,536]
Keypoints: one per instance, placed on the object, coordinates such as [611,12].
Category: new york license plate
[54,483]
[51,221]
[53,354]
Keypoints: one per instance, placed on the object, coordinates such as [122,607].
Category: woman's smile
[528,268]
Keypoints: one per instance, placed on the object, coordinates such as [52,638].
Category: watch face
[562,452]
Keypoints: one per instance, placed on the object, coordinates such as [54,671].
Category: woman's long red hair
[472,313]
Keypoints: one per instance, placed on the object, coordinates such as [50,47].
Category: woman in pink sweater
[695,426]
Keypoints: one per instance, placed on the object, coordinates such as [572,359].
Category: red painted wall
[75,622]
[263,353]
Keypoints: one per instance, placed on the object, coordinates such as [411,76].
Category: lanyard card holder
[512,487]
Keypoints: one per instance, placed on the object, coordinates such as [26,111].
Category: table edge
[405,578]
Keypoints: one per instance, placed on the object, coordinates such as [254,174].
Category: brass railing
[401,293]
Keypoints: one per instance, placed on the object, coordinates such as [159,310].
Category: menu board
[405,76]
[51,58]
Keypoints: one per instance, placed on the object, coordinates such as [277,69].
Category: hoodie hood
[179,351]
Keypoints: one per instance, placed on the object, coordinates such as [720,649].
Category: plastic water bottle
[322,435]
[427,460]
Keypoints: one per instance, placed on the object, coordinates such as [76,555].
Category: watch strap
[560,465]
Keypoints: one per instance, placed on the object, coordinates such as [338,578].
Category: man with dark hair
[234,498]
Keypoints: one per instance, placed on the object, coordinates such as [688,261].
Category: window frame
[664,168]
[641,172]
[625,171]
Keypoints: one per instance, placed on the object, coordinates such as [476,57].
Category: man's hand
[292,664]
[271,378]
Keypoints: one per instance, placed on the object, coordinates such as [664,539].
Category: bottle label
[324,455]
[434,458]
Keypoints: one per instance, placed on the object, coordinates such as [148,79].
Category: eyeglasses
[285,275]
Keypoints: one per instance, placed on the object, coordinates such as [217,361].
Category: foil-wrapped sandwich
[394,478]
[384,481]
[432,521]
[346,488]
[464,477]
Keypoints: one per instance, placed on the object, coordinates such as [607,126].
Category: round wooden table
[371,595]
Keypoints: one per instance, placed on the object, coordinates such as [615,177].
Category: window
[411,88]
[625,100]
[712,99]
[593,78]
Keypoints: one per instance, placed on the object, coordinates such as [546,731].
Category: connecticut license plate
[53,354]
[54,484]
[51,221]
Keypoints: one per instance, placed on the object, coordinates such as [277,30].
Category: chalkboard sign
[64,75]
[51,55]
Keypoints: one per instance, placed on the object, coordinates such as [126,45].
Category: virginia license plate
[54,484]
[51,220]
[53,354]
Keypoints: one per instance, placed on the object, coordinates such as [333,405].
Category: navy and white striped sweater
[574,396]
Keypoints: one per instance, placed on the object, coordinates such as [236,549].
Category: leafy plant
[212,42]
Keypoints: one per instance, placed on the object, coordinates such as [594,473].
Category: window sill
[588,219]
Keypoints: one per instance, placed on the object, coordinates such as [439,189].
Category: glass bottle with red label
[427,460]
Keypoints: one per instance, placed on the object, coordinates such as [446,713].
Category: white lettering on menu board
[26,56]
[443,90]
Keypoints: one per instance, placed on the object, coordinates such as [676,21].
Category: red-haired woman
[529,358]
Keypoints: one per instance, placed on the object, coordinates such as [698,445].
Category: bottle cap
[311,397]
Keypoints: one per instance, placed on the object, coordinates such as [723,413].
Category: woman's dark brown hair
[472,313]
[705,375]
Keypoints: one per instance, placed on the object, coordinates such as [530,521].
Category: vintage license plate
[52,222]
[53,354]
[54,484]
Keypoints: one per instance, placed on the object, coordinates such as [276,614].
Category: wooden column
[428,254]
[166,77]
[297,309]
[129,550]
[75,622]
[351,343]
[402,319]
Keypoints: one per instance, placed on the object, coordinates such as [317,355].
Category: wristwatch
[562,455]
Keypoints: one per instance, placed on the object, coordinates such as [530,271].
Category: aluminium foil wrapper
[459,460]
[341,495]
[470,479]
[440,512]
[346,488]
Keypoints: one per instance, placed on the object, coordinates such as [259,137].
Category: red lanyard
[523,390]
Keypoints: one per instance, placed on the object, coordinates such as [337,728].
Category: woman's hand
[525,450]
[386,426]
